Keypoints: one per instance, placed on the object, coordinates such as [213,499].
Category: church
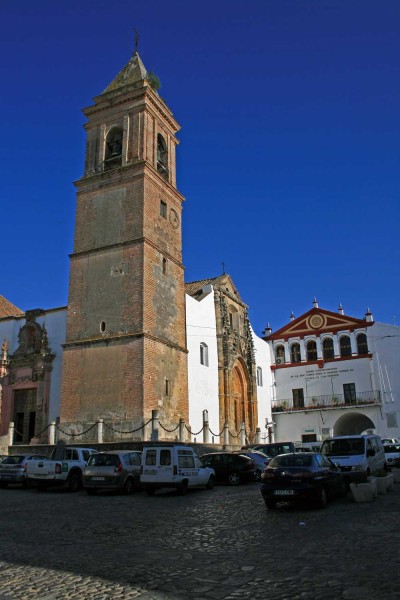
[134,338]
[137,343]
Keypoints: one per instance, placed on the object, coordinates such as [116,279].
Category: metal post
[100,425]
[206,430]
[154,425]
[181,430]
[258,435]
[52,433]
[10,433]
[226,434]
[242,434]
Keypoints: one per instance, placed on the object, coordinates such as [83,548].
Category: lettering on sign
[314,374]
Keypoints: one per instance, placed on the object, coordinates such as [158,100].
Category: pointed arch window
[345,346]
[295,356]
[204,354]
[162,156]
[113,149]
[312,350]
[362,344]
[327,349]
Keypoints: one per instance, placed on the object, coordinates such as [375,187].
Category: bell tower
[125,352]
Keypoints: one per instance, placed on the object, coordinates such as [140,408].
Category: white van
[173,466]
[356,455]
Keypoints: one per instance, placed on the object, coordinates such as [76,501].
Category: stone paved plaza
[219,545]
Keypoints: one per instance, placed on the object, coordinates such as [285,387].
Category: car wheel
[211,483]
[150,491]
[183,486]
[270,504]
[234,478]
[257,475]
[322,498]
[129,486]
[73,482]
[91,491]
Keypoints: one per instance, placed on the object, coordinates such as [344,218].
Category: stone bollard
[154,425]
[100,426]
[52,433]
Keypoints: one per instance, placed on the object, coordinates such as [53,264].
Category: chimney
[315,302]
[292,317]
[340,309]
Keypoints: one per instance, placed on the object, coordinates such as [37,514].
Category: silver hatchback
[117,470]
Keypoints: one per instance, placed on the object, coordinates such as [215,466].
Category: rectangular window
[165,457]
[298,398]
[163,209]
[349,391]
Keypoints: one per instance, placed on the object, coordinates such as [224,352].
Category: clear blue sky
[289,154]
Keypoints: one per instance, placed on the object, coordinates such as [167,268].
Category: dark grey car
[117,470]
[13,468]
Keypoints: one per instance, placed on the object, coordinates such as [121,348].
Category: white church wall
[262,355]
[202,380]
[384,344]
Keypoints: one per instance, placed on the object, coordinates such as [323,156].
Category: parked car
[272,449]
[301,477]
[357,455]
[390,441]
[117,470]
[13,468]
[2,457]
[392,454]
[230,467]
[260,459]
[174,466]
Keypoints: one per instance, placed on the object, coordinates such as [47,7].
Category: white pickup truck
[63,468]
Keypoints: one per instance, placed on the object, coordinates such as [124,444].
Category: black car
[301,477]
[230,467]
[273,449]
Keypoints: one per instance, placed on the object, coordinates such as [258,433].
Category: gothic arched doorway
[240,409]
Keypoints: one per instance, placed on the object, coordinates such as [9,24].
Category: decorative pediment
[316,322]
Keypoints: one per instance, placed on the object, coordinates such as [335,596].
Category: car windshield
[13,460]
[104,460]
[292,460]
[391,448]
[343,447]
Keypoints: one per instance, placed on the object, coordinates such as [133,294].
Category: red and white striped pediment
[317,321]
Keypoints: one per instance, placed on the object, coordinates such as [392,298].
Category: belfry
[125,352]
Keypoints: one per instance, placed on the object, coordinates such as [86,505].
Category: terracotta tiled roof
[9,310]
[194,287]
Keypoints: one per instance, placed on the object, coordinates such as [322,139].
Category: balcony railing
[330,401]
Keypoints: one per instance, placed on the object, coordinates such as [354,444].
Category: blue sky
[289,153]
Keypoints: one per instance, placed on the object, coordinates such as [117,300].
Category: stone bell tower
[125,351]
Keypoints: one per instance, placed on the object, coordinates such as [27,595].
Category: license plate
[5,476]
[283,492]
[98,478]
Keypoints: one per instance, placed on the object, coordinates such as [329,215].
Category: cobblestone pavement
[218,545]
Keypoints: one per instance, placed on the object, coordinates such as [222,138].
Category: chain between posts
[131,431]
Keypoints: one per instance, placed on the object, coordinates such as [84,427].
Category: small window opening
[163,209]
[102,326]
[259,377]
[162,156]
[167,387]
[113,150]
[204,354]
[164,266]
